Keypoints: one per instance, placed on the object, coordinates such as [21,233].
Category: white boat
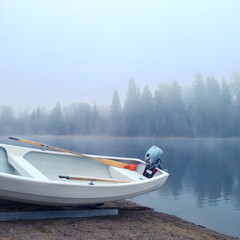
[44,177]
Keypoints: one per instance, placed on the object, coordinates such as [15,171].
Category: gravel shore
[133,222]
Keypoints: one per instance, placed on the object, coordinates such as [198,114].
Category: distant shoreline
[125,137]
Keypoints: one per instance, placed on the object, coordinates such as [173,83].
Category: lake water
[204,182]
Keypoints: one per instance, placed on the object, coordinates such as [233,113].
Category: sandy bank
[133,222]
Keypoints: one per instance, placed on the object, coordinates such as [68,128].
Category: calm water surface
[204,182]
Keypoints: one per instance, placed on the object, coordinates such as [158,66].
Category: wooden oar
[109,162]
[92,179]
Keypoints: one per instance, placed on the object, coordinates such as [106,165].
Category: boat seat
[125,174]
[25,168]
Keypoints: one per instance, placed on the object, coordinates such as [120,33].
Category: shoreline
[125,137]
[132,222]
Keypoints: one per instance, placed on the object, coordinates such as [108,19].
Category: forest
[205,108]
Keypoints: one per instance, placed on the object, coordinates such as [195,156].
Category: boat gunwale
[59,182]
[30,149]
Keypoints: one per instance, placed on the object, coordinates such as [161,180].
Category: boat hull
[49,191]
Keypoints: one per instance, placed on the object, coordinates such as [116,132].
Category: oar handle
[60,176]
[13,138]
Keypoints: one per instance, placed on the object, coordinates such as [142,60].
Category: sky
[82,50]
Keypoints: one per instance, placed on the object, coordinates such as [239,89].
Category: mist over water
[204,182]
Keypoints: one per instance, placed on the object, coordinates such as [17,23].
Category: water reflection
[209,168]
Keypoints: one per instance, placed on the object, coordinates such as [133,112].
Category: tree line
[205,108]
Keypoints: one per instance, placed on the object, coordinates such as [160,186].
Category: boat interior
[46,166]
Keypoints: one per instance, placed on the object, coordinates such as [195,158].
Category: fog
[207,109]
[81,51]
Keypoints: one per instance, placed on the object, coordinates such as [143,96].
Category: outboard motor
[153,161]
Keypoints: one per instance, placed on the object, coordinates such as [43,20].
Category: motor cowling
[153,161]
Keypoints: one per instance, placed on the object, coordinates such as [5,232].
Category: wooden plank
[34,215]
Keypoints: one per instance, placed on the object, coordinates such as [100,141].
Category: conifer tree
[131,109]
[116,115]
[147,122]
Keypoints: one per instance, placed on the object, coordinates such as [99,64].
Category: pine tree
[147,123]
[116,115]
[198,106]
[225,108]
[235,88]
[213,107]
[37,121]
[131,109]
[55,122]
[161,98]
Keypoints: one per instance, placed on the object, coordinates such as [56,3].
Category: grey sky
[81,50]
